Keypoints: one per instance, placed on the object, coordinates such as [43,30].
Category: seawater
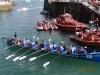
[24,23]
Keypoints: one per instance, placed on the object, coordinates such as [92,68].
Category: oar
[8,47]
[13,53]
[31,59]
[21,55]
[47,63]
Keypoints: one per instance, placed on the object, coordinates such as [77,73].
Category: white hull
[27,0]
[23,9]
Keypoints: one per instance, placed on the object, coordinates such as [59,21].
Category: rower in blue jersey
[73,50]
[51,47]
[83,50]
[27,41]
[54,46]
[61,48]
[24,43]
[44,43]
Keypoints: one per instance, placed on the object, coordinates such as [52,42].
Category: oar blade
[49,39]
[47,63]
[15,59]
[9,56]
[31,59]
[33,36]
[23,57]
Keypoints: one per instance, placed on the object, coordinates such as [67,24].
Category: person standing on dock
[96,22]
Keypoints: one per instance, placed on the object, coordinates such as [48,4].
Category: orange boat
[93,41]
[67,22]
[45,27]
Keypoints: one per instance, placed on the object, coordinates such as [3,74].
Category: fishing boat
[93,56]
[86,42]
[67,22]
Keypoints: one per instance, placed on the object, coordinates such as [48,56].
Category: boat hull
[90,57]
[69,27]
[86,43]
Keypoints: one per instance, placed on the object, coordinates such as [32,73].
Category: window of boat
[68,18]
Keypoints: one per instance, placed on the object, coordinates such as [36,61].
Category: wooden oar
[31,59]
[13,53]
[23,57]
[16,51]
[47,63]
[15,59]
[8,47]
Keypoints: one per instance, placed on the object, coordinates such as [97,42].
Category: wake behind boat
[82,54]
[23,9]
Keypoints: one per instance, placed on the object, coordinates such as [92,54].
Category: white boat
[27,0]
[39,28]
[23,9]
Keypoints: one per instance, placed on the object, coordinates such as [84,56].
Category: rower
[54,46]
[27,41]
[61,49]
[83,50]
[24,44]
[73,48]
[33,44]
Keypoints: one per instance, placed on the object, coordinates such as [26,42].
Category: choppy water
[24,23]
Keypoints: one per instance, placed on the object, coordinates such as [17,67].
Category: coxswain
[15,38]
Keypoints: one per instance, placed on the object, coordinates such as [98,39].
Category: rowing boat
[94,56]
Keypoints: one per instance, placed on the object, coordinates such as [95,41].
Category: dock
[82,10]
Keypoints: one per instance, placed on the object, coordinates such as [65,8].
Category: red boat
[67,22]
[95,42]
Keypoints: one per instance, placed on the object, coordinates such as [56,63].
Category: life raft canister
[92,38]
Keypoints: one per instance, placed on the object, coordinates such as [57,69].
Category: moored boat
[23,9]
[94,56]
[85,42]
[39,26]
[67,22]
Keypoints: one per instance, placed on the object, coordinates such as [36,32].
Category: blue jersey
[51,48]
[61,49]
[24,44]
[84,50]
[54,46]
[45,45]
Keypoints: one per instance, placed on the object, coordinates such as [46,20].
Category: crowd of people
[61,48]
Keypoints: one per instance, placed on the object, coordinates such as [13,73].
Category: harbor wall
[78,10]
[5,7]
